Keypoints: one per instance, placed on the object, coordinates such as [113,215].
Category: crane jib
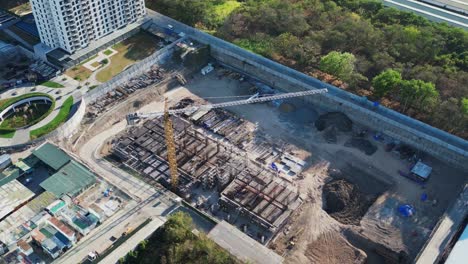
[251,100]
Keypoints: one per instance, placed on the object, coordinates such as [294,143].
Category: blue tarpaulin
[406,210]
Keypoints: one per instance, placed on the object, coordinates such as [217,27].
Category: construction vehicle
[132,119]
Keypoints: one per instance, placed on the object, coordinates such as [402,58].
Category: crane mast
[169,131]
[171,149]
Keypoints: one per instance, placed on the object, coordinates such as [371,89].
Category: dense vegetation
[175,243]
[61,117]
[406,62]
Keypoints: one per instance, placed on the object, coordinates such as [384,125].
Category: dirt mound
[336,119]
[331,248]
[362,144]
[345,202]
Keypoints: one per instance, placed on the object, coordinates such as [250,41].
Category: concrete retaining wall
[73,124]
[159,57]
[434,141]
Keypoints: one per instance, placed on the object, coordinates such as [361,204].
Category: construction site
[310,172]
[312,185]
[216,173]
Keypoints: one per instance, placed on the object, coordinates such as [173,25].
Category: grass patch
[96,64]
[108,52]
[79,73]
[7,133]
[129,51]
[51,84]
[56,122]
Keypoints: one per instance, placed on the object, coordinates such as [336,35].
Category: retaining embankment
[433,141]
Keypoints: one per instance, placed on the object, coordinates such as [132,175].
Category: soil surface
[336,119]
[362,144]
[345,202]
[332,248]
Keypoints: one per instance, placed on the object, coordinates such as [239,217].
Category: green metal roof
[52,156]
[9,174]
[70,179]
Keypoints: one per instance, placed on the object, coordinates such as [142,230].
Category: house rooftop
[70,179]
[52,156]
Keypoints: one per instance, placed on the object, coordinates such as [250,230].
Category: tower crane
[168,129]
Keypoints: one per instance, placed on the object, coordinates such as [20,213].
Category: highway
[430,12]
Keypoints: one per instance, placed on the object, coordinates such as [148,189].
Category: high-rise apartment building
[73,24]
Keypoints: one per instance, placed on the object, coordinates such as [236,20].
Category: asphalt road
[148,202]
[430,12]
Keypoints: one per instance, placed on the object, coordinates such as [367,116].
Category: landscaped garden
[27,115]
[24,115]
[129,51]
[56,122]
[51,84]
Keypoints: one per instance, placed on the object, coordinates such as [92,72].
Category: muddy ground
[380,232]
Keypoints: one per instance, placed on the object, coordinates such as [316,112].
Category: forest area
[402,60]
[175,242]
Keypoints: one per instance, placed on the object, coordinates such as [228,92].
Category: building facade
[74,24]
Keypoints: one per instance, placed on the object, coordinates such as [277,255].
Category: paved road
[132,242]
[149,202]
[430,12]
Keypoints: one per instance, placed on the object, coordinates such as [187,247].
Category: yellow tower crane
[169,131]
[171,149]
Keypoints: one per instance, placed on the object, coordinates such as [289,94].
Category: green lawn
[107,52]
[7,133]
[51,84]
[129,51]
[56,122]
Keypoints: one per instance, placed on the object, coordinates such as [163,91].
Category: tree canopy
[386,82]
[175,242]
[313,35]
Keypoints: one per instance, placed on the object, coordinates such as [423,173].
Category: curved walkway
[59,94]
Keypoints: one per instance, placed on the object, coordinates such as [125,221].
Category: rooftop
[61,226]
[71,179]
[12,195]
[51,155]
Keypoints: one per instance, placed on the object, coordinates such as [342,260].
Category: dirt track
[374,174]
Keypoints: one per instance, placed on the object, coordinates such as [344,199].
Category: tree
[419,94]
[178,228]
[341,65]
[386,82]
[464,106]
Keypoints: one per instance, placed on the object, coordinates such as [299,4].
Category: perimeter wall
[436,142]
